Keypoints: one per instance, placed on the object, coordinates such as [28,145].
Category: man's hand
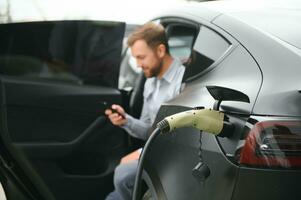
[130,157]
[117,118]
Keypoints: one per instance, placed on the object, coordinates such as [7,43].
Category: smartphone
[108,106]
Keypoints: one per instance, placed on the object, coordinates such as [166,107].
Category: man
[164,74]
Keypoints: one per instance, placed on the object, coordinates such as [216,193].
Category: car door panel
[55,107]
[62,130]
[56,77]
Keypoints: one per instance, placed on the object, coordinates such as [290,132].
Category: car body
[261,158]
[56,143]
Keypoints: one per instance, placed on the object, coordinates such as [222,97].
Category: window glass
[82,52]
[210,44]
[180,46]
[129,71]
[180,40]
[208,48]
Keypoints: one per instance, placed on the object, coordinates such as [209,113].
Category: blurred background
[133,11]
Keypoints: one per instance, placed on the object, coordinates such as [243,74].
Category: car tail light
[275,143]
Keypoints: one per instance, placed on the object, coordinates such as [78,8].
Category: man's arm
[139,128]
[135,127]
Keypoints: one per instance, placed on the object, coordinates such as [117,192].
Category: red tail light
[273,144]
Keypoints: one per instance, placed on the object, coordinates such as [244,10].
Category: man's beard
[155,71]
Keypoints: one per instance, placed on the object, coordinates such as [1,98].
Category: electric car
[245,63]
[242,60]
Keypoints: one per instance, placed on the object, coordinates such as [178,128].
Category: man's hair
[153,34]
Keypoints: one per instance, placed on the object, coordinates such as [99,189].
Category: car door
[56,79]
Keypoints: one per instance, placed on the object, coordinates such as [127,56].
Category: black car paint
[241,70]
[182,151]
[278,94]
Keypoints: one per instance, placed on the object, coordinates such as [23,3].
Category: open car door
[55,77]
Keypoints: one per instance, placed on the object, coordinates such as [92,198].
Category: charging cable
[208,120]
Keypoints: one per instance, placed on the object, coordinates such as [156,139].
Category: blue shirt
[156,92]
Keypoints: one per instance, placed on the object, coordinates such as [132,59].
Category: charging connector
[206,120]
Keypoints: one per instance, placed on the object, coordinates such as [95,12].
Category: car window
[208,48]
[129,71]
[180,40]
[180,47]
[80,52]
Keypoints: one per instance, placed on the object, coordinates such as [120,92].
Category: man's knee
[121,176]
[124,176]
